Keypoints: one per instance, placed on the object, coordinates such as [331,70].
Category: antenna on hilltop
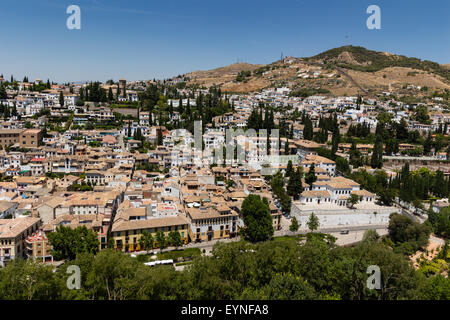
[281,55]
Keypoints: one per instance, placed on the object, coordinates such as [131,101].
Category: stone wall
[344,217]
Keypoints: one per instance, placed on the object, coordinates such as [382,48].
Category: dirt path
[434,243]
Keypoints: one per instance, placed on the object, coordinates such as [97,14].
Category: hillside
[362,59]
[220,75]
[347,70]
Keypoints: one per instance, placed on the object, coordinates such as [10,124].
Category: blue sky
[146,39]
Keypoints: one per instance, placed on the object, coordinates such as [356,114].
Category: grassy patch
[176,254]
[289,238]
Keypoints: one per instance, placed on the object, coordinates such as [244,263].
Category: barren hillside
[345,70]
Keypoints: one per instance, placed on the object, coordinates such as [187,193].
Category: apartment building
[328,166]
[28,138]
[31,138]
[38,247]
[129,225]
[13,233]
[10,137]
[208,223]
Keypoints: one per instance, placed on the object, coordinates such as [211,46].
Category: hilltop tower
[123,85]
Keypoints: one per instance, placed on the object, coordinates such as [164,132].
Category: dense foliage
[421,184]
[257,219]
[440,222]
[289,269]
[68,242]
[407,236]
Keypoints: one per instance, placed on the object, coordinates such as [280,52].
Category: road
[355,234]
[410,214]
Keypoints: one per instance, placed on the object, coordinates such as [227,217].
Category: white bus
[159,262]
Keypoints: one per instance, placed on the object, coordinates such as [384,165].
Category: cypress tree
[376,161]
[428,144]
[289,169]
[110,94]
[310,177]
[294,186]
[286,147]
[61,98]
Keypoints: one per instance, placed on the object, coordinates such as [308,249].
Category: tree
[335,143]
[68,242]
[161,240]
[307,129]
[160,137]
[428,143]
[353,199]
[403,230]
[61,99]
[289,169]
[146,241]
[118,91]
[110,94]
[294,186]
[294,225]
[277,185]
[386,196]
[175,239]
[3,94]
[313,222]
[257,219]
[421,114]
[286,147]
[370,235]
[440,185]
[442,223]
[310,177]
[28,280]
[376,160]
[288,287]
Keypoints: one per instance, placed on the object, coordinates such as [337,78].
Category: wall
[344,217]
